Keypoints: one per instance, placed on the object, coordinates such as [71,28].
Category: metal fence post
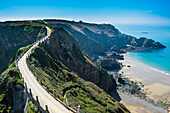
[54,92]
[78,109]
[26,86]
[37,100]
[46,107]
[30,92]
[65,101]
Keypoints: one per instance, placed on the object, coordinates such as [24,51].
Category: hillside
[13,96]
[96,39]
[65,70]
[62,65]
[104,43]
[14,35]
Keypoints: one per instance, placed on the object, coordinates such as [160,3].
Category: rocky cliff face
[99,38]
[14,35]
[19,99]
[103,40]
[64,47]
[94,39]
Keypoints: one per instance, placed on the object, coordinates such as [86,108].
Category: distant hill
[99,38]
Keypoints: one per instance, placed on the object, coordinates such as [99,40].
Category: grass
[62,82]
[9,79]
[16,35]
[31,107]
[21,51]
[29,29]
[11,76]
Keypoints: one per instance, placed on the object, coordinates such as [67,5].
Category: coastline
[156,83]
[137,105]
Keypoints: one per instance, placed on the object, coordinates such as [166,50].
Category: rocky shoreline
[132,82]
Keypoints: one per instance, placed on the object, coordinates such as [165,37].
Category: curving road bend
[37,90]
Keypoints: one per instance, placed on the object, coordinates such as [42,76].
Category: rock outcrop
[110,65]
[19,99]
[114,55]
[12,94]
[109,62]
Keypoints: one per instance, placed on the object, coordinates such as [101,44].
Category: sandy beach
[157,83]
[137,105]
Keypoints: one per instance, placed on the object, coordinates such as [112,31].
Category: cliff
[106,41]
[94,39]
[65,48]
[99,38]
[14,35]
[65,70]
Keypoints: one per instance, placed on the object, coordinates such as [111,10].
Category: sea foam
[163,72]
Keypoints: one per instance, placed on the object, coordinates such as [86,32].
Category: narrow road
[37,90]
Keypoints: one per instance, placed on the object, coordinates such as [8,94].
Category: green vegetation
[22,50]
[8,80]
[16,35]
[56,77]
[62,82]
[29,29]
[31,107]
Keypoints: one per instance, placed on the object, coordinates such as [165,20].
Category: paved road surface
[37,90]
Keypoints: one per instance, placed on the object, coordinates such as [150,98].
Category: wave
[133,59]
[159,70]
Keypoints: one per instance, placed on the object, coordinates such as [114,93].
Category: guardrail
[36,102]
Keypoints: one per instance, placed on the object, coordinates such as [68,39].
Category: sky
[133,12]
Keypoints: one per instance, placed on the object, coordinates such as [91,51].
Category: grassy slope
[11,76]
[8,80]
[31,107]
[15,35]
[58,79]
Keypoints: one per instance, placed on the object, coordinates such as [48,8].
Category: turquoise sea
[158,60]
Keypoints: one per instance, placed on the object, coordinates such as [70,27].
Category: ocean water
[158,60]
